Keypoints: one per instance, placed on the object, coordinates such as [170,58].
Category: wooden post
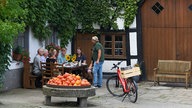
[26,82]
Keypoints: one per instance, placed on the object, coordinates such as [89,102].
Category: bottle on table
[80,63]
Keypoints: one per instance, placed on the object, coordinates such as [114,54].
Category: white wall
[108,64]
[133,25]
[34,45]
[120,23]
[133,43]
[69,48]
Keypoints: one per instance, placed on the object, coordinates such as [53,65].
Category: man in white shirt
[45,55]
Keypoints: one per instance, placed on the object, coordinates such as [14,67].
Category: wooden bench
[173,69]
[28,78]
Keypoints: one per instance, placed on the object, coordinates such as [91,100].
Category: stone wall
[13,79]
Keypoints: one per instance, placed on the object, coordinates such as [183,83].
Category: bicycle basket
[126,73]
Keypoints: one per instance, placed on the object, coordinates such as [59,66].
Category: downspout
[139,40]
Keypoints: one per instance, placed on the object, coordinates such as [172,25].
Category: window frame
[113,35]
[52,39]
[22,40]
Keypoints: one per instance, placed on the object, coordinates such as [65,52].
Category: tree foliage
[11,23]
[64,16]
[105,13]
[11,20]
[99,12]
[129,10]
[48,16]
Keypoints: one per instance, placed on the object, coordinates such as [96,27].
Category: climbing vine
[105,13]
[65,16]
[129,11]
[11,23]
[4,60]
[48,16]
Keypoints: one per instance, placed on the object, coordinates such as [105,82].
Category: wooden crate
[135,71]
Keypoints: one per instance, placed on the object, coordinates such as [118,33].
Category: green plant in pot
[17,53]
[137,78]
[25,57]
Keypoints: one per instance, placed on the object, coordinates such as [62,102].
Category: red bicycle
[118,86]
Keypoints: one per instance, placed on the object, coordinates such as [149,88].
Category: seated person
[80,56]
[44,56]
[51,58]
[37,67]
[61,57]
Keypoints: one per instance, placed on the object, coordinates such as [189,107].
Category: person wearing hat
[98,60]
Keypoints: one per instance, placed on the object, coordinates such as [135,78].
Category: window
[22,40]
[19,41]
[157,8]
[22,43]
[52,39]
[190,7]
[114,45]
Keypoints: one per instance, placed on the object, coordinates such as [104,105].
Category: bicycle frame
[127,84]
[123,81]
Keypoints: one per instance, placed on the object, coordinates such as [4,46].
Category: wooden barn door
[184,29]
[84,42]
[166,31]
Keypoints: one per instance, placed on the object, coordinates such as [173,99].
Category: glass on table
[75,63]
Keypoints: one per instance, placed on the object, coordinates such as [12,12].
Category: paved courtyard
[149,97]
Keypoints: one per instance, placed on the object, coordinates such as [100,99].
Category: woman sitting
[80,59]
[80,56]
[51,58]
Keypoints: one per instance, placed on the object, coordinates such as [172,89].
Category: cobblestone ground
[164,96]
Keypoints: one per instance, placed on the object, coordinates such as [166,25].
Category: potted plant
[25,57]
[17,53]
[136,78]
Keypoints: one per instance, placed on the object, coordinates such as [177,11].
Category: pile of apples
[68,79]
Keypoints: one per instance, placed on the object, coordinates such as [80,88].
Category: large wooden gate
[166,31]
[84,42]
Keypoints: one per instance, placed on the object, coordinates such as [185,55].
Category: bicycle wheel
[114,86]
[133,94]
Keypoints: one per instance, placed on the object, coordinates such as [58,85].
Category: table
[80,93]
[83,69]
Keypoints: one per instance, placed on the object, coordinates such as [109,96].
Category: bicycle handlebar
[116,65]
